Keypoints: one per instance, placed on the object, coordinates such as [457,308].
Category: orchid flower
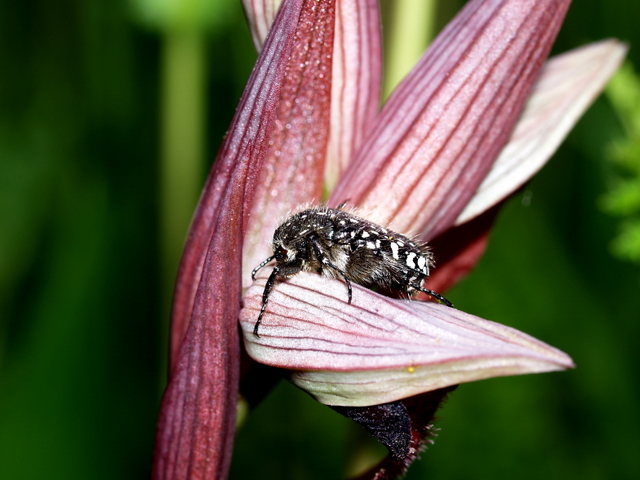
[454,140]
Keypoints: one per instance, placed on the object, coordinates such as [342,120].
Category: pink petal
[444,126]
[293,172]
[260,15]
[380,349]
[356,80]
[569,83]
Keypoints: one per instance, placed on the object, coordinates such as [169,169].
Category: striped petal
[444,126]
[260,16]
[356,82]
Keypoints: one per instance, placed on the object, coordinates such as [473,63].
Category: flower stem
[182,144]
[411,28]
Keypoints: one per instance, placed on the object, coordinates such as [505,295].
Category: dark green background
[81,315]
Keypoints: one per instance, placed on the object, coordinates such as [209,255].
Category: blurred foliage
[81,312]
[183,14]
[409,28]
[623,197]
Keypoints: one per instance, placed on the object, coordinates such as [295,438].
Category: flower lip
[380,349]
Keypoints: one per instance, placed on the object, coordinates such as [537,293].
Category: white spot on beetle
[394,250]
[422,263]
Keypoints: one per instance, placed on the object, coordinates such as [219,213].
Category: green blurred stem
[411,28]
[182,147]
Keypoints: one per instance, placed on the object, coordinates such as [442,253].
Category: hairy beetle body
[338,244]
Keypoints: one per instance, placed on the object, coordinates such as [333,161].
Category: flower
[308,119]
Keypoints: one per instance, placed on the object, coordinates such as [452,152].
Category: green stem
[411,28]
[182,145]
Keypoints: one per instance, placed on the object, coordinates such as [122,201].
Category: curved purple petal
[197,418]
[293,171]
[255,131]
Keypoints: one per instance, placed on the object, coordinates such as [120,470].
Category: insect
[338,244]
